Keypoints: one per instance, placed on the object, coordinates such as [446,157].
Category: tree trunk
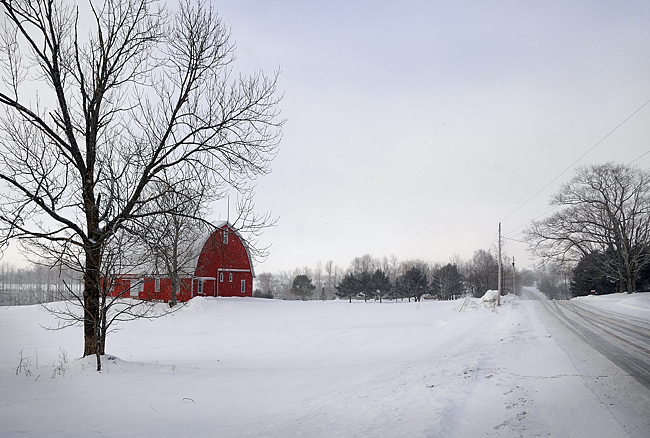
[103,328]
[91,300]
[176,282]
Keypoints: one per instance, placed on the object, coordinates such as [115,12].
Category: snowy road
[608,346]
[623,339]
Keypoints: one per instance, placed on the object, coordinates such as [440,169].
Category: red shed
[223,269]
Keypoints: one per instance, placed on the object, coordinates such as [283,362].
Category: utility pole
[499,278]
[514,289]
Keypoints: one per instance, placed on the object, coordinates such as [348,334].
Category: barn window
[243,286]
[200,287]
[136,288]
[221,277]
[230,277]
[225,237]
[157,283]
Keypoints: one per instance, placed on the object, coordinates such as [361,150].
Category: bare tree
[265,280]
[114,307]
[482,273]
[447,283]
[332,272]
[607,211]
[139,97]
[364,264]
[391,266]
[175,237]
[34,284]
[553,281]
[318,275]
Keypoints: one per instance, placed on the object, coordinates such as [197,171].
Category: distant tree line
[370,278]
[36,284]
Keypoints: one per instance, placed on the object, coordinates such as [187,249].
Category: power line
[580,158]
[638,158]
[514,240]
[558,206]
[534,219]
[494,239]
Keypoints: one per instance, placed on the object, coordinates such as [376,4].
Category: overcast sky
[414,127]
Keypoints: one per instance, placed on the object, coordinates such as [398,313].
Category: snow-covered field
[252,367]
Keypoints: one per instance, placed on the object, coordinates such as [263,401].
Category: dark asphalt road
[623,339]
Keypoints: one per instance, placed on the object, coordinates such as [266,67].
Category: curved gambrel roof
[241,239]
[213,236]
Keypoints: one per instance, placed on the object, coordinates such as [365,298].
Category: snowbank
[201,304]
[490,296]
[641,302]
[487,301]
[637,305]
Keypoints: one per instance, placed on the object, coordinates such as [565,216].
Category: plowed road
[622,339]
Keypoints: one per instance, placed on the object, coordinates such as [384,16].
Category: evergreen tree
[302,287]
[588,275]
[348,286]
[380,283]
[364,281]
[413,284]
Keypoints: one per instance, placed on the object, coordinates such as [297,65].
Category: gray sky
[414,127]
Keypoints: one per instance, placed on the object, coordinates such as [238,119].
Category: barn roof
[221,225]
[242,240]
[148,268]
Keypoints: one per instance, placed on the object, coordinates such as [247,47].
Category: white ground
[253,367]
[637,305]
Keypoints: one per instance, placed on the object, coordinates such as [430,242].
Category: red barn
[223,269]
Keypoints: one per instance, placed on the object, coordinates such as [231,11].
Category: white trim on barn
[199,284]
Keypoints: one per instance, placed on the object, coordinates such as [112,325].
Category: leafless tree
[332,272]
[102,112]
[34,284]
[265,280]
[482,273]
[285,279]
[553,281]
[607,211]
[365,264]
[174,238]
[422,265]
[391,265]
[119,256]
[318,276]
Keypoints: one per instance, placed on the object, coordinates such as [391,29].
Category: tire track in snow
[627,354]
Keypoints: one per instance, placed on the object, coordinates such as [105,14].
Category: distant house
[223,269]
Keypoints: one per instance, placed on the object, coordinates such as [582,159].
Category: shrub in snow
[23,366]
